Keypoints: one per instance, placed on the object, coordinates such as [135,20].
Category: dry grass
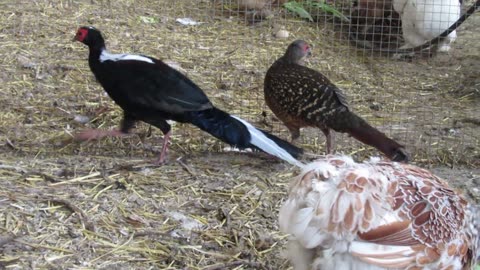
[101,205]
[128,215]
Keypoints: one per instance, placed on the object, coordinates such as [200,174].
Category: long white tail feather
[263,142]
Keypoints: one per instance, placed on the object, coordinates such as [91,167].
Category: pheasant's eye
[81,34]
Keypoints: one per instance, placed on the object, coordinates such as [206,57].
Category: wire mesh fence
[360,45]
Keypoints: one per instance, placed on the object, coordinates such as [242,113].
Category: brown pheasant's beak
[309,52]
[306,57]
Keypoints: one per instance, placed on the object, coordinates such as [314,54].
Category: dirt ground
[102,205]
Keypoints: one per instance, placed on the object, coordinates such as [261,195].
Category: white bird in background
[424,20]
[259,4]
[376,215]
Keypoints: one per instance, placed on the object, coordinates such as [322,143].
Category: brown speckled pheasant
[377,215]
[302,97]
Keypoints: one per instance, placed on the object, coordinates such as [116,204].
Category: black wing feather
[136,84]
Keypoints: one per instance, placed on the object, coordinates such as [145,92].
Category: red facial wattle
[307,49]
[81,34]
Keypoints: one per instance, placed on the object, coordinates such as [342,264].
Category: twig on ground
[86,221]
[230,265]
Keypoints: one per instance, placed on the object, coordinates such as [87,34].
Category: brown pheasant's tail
[364,132]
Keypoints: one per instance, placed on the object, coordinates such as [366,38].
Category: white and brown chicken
[377,215]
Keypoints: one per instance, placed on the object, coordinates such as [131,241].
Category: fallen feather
[187,21]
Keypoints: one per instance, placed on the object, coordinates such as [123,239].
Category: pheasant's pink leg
[95,134]
[163,154]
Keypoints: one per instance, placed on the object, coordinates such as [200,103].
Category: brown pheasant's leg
[330,139]
[163,154]
[295,132]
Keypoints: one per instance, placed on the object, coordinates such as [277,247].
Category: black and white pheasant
[302,97]
[148,90]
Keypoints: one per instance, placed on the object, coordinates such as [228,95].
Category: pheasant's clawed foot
[95,134]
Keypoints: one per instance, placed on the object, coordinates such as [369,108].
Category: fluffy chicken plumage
[424,20]
[377,215]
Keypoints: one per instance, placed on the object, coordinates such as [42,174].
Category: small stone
[375,106]
[81,119]
[282,33]
[25,62]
